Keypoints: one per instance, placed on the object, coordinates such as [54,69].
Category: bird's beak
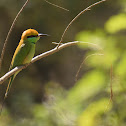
[41,35]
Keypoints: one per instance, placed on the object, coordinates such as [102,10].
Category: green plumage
[24,52]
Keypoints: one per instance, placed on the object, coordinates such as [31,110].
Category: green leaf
[116,23]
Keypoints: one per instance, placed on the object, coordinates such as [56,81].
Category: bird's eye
[32,36]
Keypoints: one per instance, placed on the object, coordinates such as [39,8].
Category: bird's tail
[9,85]
[7,90]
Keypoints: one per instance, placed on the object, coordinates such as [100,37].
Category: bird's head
[31,35]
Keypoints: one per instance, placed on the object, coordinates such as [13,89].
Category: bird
[24,52]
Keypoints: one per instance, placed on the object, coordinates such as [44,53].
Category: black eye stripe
[32,36]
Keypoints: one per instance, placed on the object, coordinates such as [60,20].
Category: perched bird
[24,52]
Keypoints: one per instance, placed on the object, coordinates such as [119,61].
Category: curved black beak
[41,35]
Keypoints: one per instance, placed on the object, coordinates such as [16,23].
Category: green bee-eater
[24,52]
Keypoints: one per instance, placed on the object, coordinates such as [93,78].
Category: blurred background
[46,93]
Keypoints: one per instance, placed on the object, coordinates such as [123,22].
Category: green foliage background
[46,93]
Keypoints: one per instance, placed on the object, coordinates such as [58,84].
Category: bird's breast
[30,55]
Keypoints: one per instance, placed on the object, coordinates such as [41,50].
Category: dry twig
[88,8]
[111,91]
[11,28]
[56,5]
[94,54]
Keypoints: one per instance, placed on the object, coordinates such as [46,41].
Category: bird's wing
[20,54]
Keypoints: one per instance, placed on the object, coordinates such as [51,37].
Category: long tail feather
[7,90]
[9,86]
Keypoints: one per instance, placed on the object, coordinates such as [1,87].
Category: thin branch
[56,5]
[111,91]
[8,35]
[45,54]
[88,8]
[94,54]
